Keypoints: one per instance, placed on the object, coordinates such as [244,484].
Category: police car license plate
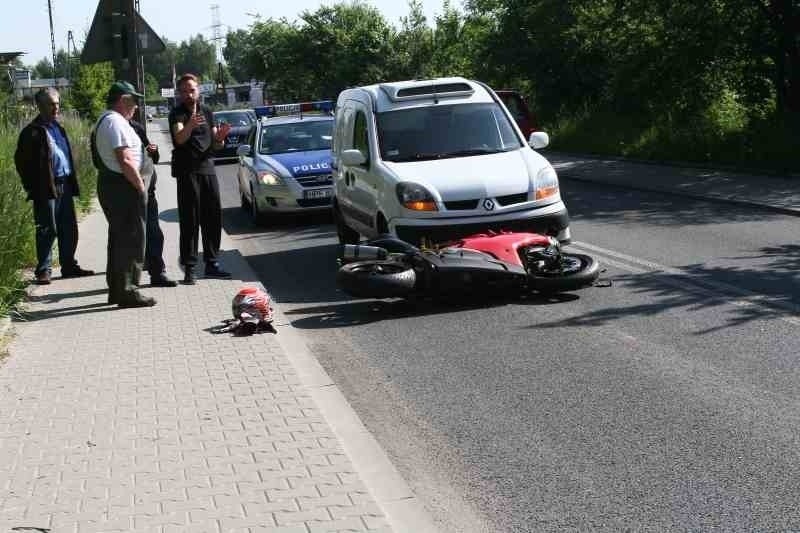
[317,193]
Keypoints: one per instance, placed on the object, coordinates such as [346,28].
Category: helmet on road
[252,305]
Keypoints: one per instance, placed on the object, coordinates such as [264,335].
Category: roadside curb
[404,511]
[706,197]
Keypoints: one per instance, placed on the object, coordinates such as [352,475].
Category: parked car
[240,120]
[438,159]
[518,107]
[285,161]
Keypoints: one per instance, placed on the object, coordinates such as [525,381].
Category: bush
[726,133]
[17,229]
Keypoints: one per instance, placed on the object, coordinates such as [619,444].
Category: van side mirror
[243,150]
[538,139]
[353,158]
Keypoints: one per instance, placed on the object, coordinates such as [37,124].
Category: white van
[438,159]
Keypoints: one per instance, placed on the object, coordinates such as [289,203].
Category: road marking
[715,289]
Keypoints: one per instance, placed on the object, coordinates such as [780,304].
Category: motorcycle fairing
[503,246]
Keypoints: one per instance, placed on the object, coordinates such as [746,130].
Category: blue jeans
[55,219]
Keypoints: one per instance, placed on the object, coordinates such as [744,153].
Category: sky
[28,30]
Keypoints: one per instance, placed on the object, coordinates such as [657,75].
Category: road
[666,399]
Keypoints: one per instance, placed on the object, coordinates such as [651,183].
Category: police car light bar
[293,109]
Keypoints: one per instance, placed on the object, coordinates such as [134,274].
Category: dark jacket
[139,129]
[32,160]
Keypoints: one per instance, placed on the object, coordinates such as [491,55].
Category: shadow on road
[361,312]
[238,222]
[773,292]
[618,205]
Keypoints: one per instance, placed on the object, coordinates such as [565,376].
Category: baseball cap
[123,87]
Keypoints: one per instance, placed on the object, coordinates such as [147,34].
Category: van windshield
[443,131]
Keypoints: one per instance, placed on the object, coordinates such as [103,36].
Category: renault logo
[488,204]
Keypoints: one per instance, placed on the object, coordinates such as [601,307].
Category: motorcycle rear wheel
[577,271]
[376,279]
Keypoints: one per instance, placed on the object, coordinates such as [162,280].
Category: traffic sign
[168,92]
[109,24]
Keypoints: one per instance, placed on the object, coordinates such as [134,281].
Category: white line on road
[743,297]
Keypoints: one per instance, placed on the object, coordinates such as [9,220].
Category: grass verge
[18,252]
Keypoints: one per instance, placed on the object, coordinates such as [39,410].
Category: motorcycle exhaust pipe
[355,252]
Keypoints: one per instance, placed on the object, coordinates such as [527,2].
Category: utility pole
[52,40]
[216,25]
[70,55]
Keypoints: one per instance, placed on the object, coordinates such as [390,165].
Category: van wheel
[346,234]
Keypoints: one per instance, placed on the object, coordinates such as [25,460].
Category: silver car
[285,165]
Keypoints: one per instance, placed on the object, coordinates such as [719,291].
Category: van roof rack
[437,88]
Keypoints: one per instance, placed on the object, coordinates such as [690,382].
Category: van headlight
[546,183]
[415,197]
[268,178]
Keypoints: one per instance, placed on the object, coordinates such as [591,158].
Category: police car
[285,162]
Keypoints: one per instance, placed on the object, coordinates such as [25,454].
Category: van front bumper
[550,220]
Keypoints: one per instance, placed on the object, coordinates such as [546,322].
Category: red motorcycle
[387,267]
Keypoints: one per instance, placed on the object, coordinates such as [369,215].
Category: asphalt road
[665,401]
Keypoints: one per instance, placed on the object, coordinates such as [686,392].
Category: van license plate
[317,193]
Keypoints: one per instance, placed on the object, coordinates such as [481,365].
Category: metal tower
[216,26]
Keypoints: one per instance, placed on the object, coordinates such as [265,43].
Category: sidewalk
[134,420]
[776,193]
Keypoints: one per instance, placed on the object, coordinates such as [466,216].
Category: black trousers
[199,209]
[125,210]
[154,249]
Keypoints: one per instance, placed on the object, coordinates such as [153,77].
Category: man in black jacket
[44,163]
[154,240]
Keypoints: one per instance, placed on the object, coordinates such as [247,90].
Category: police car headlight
[268,178]
[546,184]
[415,197]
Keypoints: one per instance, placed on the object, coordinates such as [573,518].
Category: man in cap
[44,162]
[122,183]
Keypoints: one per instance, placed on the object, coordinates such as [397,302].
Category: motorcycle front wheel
[376,279]
[575,271]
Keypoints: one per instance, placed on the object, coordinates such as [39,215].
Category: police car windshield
[443,131]
[296,137]
[234,118]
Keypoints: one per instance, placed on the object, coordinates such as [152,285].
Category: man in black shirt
[154,240]
[194,138]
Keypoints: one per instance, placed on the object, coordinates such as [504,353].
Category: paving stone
[137,420]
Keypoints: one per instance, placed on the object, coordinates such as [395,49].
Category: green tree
[449,57]
[89,88]
[152,90]
[160,65]
[242,60]
[343,45]
[197,56]
[413,45]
